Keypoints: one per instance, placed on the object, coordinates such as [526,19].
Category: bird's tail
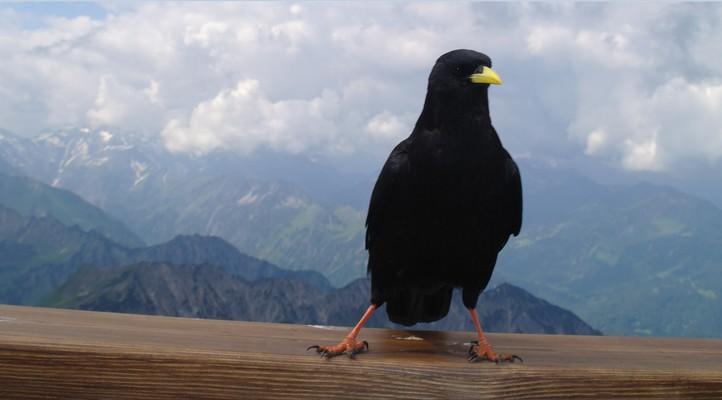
[411,305]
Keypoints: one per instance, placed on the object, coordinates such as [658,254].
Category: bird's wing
[513,196]
[388,199]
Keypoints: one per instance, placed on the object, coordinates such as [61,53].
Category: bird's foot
[347,346]
[484,352]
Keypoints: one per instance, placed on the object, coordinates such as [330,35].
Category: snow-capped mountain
[248,201]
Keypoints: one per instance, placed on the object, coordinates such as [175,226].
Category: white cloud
[118,105]
[676,121]
[636,85]
[636,99]
[641,156]
[596,141]
[245,119]
[690,118]
[386,125]
[542,38]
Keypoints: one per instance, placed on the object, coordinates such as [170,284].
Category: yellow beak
[487,75]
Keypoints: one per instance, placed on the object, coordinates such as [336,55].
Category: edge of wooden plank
[37,367]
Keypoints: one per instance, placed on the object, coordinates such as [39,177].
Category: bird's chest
[455,172]
[454,204]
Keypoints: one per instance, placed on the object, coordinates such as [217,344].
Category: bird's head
[458,89]
[462,70]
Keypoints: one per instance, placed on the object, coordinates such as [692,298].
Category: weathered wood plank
[50,353]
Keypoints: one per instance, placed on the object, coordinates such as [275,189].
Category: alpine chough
[444,205]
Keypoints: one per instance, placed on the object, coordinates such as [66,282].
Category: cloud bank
[637,86]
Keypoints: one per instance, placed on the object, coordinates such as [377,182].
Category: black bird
[444,205]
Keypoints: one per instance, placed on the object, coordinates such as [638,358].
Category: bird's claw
[471,348]
[498,360]
[320,350]
[347,346]
[514,356]
[356,350]
[487,354]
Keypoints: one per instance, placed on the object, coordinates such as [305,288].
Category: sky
[610,88]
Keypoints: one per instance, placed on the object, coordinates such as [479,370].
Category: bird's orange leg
[348,345]
[481,350]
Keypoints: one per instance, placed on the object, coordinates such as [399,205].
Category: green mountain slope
[33,198]
[637,259]
[269,220]
[37,254]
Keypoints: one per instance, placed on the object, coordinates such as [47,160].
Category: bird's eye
[461,71]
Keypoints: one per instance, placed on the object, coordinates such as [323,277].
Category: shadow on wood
[78,354]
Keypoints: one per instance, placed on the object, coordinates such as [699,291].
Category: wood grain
[52,353]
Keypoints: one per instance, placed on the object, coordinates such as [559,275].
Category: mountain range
[207,291]
[45,262]
[635,259]
[250,203]
[37,254]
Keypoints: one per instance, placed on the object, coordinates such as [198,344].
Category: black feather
[445,202]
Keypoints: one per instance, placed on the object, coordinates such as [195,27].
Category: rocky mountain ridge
[206,291]
[38,254]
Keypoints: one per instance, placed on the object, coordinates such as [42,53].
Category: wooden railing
[52,353]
